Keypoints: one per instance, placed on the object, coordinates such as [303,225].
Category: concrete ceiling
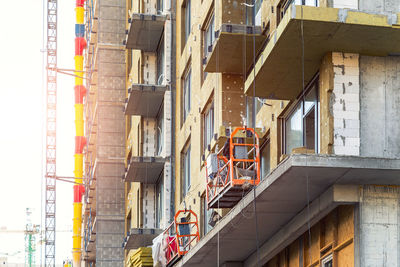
[278,73]
[145,32]
[145,100]
[282,195]
[145,170]
[233,51]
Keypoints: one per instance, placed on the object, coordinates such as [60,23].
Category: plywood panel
[346,256]
[346,223]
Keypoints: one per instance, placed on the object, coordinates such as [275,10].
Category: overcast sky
[21,116]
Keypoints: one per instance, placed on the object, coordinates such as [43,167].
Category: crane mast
[51,135]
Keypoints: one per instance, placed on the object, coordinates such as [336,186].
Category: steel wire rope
[254,139]
[303,95]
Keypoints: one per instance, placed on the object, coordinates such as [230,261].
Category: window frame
[160,132]
[207,121]
[284,5]
[205,216]
[267,142]
[326,260]
[186,93]
[312,85]
[187,21]
[160,62]
[185,170]
[159,200]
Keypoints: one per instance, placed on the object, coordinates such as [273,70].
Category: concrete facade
[105,202]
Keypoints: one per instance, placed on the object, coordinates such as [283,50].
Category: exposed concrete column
[345,104]
[379,106]
[378,224]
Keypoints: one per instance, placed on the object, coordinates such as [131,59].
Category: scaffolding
[51,136]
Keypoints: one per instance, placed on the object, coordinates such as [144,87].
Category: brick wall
[345,104]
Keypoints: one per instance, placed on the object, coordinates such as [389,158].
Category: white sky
[21,121]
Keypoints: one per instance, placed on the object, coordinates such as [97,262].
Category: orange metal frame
[225,176]
[176,244]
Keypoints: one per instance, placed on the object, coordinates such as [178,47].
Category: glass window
[209,36]
[265,153]
[160,131]
[160,6]
[188,23]
[257,12]
[159,200]
[206,215]
[327,262]
[301,126]
[160,63]
[186,171]
[285,4]
[294,133]
[208,130]
[187,88]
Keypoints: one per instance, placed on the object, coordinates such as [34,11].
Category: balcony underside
[140,237]
[234,41]
[145,31]
[145,170]
[278,72]
[282,195]
[145,100]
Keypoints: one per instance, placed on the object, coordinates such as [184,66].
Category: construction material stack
[80,140]
[140,257]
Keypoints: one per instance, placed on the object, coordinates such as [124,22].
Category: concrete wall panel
[380,102]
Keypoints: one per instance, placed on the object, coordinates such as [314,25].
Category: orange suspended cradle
[234,169]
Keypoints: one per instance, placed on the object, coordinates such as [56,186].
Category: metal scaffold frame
[51,136]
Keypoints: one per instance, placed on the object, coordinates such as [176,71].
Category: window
[257,12]
[208,39]
[187,21]
[265,153]
[159,200]
[186,94]
[160,63]
[205,216]
[259,102]
[209,36]
[327,262]
[160,6]
[253,12]
[160,131]
[285,4]
[208,126]
[301,126]
[185,171]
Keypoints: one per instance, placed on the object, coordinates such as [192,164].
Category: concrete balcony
[283,212]
[145,170]
[232,51]
[140,237]
[278,71]
[144,100]
[144,31]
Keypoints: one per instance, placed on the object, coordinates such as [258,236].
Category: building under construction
[240,133]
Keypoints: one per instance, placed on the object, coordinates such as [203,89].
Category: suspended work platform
[234,169]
